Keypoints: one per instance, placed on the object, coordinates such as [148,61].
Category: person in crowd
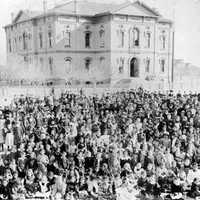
[74,145]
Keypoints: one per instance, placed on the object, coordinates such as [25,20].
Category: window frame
[88,39]
[66,60]
[162,65]
[10,45]
[50,64]
[121,65]
[163,39]
[136,37]
[88,62]
[148,39]
[50,39]
[41,40]
[68,38]
[102,38]
[147,65]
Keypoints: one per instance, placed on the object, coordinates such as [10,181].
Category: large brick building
[92,42]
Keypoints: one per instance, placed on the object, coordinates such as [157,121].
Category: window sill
[135,47]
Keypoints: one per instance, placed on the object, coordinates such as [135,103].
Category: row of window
[134,35]
[147,63]
[23,42]
[68,64]
[88,62]
[135,38]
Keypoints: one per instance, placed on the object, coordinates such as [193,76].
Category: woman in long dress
[9,140]
[1,134]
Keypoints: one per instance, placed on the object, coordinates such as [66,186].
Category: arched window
[87,39]
[102,38]
[163,40]
[88,64]
[147,65]
[136,37]
[68,65]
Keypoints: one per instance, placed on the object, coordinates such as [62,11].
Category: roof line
[123,5]
[148,8]
[58,6]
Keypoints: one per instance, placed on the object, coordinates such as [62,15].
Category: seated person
[194,192]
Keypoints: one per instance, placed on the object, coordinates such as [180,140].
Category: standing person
[1,134]
[18,134]
[9,140]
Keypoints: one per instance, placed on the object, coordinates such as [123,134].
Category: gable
[136,9]
[25,15]
[21,16]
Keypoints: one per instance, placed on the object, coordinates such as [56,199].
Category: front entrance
[134,69]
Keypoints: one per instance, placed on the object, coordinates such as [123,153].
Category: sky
[185,13]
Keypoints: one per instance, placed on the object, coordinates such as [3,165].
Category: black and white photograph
[100,100]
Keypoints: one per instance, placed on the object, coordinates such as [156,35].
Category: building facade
[186,76]
[92,42]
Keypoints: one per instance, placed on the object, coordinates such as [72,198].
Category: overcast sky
[187,22]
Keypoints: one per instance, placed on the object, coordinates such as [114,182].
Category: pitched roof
[25,15]
[84,8]
[92,8]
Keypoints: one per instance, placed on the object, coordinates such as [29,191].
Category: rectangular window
[51,65]
[50,39]
[102,38]
[25,46]
[68,39]
[148,40]
[121,65]
[147,69]
[9,45]
[162,65]
[25,59]
[41,64]
[41,40]
[87,64]
[121,39]
[87,39]
[30,41]
[163,42]
[20,42]
[15,44]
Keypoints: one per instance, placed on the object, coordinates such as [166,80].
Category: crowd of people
[101,147]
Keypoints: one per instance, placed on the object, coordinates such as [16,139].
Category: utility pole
[173,45]
[45,33]
[75,7]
